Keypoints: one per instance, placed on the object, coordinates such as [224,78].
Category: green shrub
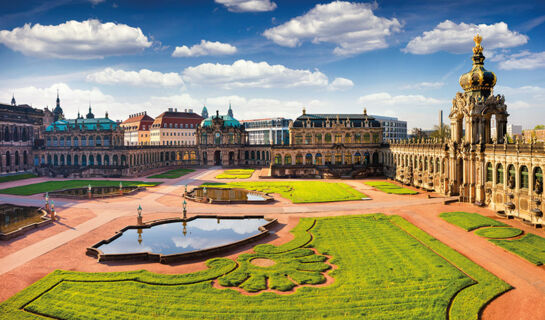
[470,221]
[50,186]
[389,187]
[529,247]
[15,177]
[498,232]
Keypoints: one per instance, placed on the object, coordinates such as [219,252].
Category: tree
[539,127]
[418,133]
[440,133]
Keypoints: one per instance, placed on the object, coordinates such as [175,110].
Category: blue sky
[269,57]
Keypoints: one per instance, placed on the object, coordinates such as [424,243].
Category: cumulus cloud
[245,73]
[144,77]
[458,38]
[353,27]
[424,85]
[384,98]
[340,84]
[248,5]
[524,60]
[89,39]
[95,2]
[205,48]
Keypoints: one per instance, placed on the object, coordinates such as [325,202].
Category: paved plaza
[82,223]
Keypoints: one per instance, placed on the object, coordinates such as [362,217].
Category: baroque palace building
[330,145]
[20,129]
[475,164]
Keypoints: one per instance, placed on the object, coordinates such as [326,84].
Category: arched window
[376,138]
[511,176]
[366,137]
[318,138]
[277,159]
[327,138]
[338,138]
[91,144]
[308,138]
[524,177]
[99,141]
[328,158]
[287,159]
[489,172]
[308,158]
[347,138]
[68,142]
[318,159]
[217,138]
[84,160]
[48,143]
[298,138]
[252,155]
[357,158]
[357,138]
[338,158]
[299,159]
[55,142]
[538,180]
[347,158]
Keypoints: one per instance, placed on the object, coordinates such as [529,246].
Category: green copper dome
[228,121]
[478,81]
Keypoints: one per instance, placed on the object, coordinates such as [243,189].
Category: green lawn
[387,269]
[389,187]
[172,174]
[498,232]
[236,174]
[529,247]
[470,221]
[50,186]
[300,191]
[16,177]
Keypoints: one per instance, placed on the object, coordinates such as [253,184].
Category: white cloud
[424,85]
[245,73]
[524,60]
[340,84]
[95,2]
[458,38]
[386,99]
[143,77]
[353,27]
[205,48]
[89,39]
[248,5]
[526,104]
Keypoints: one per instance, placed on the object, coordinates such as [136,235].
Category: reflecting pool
[14,217]
[226,195]
[173,237]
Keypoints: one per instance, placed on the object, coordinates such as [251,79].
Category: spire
[13,103]
[90,115]
[57,112]
[204,112]
[478,82]
[58,99]
[230,111]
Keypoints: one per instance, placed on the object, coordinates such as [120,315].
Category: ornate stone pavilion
[479,167]
[328,145]
[222,140]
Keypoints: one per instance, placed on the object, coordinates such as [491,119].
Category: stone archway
[217,158]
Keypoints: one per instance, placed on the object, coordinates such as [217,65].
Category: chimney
[176,109]
[185,110]
[441,119]
[169,109]
[190,110]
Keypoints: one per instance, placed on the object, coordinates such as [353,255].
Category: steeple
[230,111]
[204,112]
[13,103]
[57,112]
[90,115]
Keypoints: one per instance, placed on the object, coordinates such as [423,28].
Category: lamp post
[139,231]
[204,195]
[139,218]
[47,203]
[89,188]
[184,223]
[120,188]
[53,216]
[185,210]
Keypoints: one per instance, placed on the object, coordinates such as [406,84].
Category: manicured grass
[300,191]
[50,186]
[172,174]
[389,187]
[470,221]
[236,174]
[498,232]
[529,247]
[16,177]
[387,269]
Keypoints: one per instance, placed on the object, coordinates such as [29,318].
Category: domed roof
[228,121]
[478,81]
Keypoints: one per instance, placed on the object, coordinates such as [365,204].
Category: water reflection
[169,238]
[14,217]
[223,194]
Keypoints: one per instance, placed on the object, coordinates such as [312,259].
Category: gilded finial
[365,111]
[304,110]
[478,48]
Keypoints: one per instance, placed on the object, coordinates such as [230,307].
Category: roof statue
[13,103]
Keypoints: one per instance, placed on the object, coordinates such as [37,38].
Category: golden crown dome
[478,81]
